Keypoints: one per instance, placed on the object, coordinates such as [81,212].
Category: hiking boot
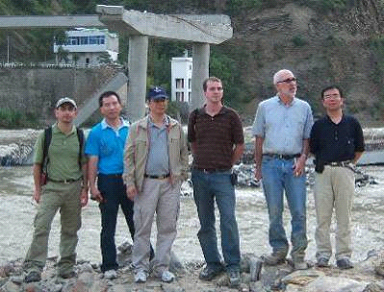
[274,258]
[32,276]
[322,262]
[234,278]
[344,264]
[67,275]
[210,272]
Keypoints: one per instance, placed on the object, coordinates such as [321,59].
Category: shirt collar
[55,129]
[289,104]
[166,121]
[123,124]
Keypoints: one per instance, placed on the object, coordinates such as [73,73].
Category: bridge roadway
[201,30]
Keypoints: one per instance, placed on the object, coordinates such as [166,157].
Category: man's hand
[258,175]
[37,195]
[131,192]
[299,166]
[96,195]
[84,197]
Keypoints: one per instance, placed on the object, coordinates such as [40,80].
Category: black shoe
[322,263]
[344,264]
[32,276]
[67,275]
[209,272]
[234,278]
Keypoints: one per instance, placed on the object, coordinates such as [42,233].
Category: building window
[189,83]
[83,40]
[179,83]
[180,96]
[189,96]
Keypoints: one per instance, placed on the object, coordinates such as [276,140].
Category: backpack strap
[47,142]
[80,136]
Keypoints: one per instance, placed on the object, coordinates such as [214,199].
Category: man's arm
[92,175]
[36,178]
[129,166]
[237,153]
[299,166]
[84,189]
[258,156]
[357,157]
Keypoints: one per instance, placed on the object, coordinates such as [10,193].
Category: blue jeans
[114,193]
[206,188]
[278,177]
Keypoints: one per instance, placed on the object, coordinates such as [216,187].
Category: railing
[18,65]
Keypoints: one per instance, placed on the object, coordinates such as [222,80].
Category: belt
[112,175]
[213,170]
[346,163]
[157,176]
[65,181]
[282,156]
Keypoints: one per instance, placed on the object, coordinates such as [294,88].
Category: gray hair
[277,75]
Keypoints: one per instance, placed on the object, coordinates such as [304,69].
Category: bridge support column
[200,71]
[137,74]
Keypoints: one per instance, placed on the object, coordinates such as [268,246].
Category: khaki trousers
[161,197]
[334,189]
[66,198]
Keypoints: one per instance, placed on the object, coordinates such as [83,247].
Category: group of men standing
[140,167]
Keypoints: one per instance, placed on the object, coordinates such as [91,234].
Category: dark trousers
[113,191]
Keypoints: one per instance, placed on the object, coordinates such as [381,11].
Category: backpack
[47,142]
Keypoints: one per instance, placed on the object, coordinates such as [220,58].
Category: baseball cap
[63,100]
[157,93]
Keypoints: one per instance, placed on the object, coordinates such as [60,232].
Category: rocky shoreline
[256,277]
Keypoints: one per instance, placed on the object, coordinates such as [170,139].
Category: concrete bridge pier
[200,71]
[137,71]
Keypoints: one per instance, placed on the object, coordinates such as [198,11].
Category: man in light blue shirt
[105,147]
[282,128]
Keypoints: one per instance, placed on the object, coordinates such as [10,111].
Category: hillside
[344,48]
[321,41]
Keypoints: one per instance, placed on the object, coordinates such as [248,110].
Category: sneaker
[300,265]
[275,258]
[234,278]
[141,277]
[110,274]
[167,277]
[322,262]
[344,264]
[210,272]
[32,276]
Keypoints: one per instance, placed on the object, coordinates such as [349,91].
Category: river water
[17,211]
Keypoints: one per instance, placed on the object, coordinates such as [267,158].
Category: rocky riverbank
[256,277]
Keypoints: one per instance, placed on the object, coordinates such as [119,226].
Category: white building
[181,75]
[87,47]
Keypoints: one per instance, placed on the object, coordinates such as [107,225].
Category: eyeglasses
[333,96]
[288,80]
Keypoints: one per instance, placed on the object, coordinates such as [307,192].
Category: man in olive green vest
[66,190]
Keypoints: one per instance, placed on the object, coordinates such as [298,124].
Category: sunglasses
[288,80]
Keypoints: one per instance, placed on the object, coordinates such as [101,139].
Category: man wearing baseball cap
[156,163]
[66,190]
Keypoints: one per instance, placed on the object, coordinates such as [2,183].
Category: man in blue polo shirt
[282,127]
[105,147]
